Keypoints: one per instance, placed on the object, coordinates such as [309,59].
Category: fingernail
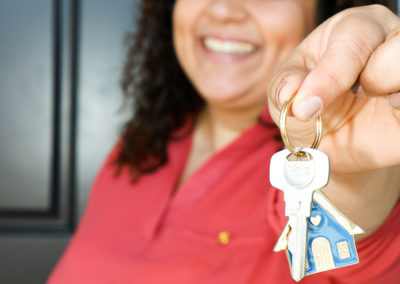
[285,92]
[394,100]
[309,107]
[278,93]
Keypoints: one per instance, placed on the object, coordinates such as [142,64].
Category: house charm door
[322,253]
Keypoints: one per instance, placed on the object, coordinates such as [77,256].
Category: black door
[60,104]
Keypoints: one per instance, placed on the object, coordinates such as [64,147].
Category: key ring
[282,125]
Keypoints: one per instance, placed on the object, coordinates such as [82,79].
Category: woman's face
[229,48]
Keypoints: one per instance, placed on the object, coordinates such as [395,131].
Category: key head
[297,175]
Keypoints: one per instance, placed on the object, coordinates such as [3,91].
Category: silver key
[298,180]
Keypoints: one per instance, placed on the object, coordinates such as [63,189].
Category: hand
[357,47]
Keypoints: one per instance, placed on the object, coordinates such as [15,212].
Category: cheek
[284,23]
[184,16]
[179,25]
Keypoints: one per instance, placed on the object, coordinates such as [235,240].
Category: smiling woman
[228,50]
[162,94]
[183,198]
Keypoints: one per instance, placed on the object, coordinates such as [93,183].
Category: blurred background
[60,113]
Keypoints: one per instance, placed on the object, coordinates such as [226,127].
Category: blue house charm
[330,237]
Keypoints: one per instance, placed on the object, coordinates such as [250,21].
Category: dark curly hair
[161,95]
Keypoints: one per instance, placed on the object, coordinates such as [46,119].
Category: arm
[345,70]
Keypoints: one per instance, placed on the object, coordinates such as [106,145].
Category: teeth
[230,47]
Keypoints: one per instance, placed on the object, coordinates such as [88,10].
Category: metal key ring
[282,125]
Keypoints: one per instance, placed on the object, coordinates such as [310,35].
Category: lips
[228,46]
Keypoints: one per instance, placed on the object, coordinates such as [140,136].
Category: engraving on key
[299,173]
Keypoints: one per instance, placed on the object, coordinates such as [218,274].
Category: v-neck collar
[204,178]
[167,208]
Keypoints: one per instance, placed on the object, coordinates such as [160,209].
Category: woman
[183,198]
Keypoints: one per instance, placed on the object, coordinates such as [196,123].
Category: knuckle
[356,47]
[372,9]
[335,79]
[382,15]
[379,9]
[371,81]
[360,49]
[394,33]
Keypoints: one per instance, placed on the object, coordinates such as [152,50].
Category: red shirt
[142,233]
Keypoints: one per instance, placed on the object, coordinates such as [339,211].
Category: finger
[381,74]
[284,84]
[349,46]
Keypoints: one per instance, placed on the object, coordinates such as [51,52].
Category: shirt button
[224,238]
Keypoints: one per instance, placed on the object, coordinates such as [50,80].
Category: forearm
[367,198]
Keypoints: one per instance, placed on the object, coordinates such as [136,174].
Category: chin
[220,95]
[230,94]
[221,89]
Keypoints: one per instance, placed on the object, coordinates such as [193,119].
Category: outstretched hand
[345,70]
[348,70]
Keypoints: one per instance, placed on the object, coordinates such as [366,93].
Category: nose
[227,10]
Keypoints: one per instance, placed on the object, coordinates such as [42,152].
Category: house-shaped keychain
[330,237]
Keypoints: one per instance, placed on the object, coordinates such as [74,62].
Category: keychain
[317,236]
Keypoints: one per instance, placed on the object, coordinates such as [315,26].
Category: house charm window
[343,249]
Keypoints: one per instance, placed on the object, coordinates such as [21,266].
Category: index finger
[349,45]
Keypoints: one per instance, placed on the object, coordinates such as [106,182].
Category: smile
[228,46]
